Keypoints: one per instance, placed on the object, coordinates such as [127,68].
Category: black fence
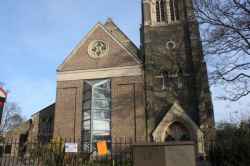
[119,153]
[55,153]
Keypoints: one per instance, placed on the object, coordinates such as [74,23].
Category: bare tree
[11,118]
[225,26]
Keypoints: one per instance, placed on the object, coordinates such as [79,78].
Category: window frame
[165,12]
[93,111]
[161,11]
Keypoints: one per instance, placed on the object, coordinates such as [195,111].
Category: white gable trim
[85,39]
[100,73]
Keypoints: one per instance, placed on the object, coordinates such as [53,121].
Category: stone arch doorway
[177,132]
[176,125]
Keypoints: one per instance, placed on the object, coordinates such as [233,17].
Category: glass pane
[102,115]
[105,86]
[86,125]
[101,125]
[86,115]
[106,137]
[101,132]
[87,104]
[101,104]
[86,135]
[86,147]
[87,86]
[87,95]
[101,110]
[101,93]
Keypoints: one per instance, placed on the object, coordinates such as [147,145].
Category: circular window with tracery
[98,49]
[170,45]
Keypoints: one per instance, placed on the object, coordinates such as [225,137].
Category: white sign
[71,147]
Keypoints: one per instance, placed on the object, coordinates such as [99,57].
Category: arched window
[177,132]
[174,10]
[161,11]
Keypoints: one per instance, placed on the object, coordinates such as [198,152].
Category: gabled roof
[50,107]
[122,37]
[116,34]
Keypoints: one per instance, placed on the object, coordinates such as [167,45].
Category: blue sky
[36,36]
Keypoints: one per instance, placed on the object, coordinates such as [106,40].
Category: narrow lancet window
[174,10]
[176,6]
[161,11]
[158,14]
[171,5]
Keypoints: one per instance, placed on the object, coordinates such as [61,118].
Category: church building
[108,88]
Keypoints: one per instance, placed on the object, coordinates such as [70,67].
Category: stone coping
[174,143]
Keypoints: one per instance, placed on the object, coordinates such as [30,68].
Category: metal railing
[33,153]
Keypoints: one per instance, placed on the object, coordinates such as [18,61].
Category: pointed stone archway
[177,132]
[176,125]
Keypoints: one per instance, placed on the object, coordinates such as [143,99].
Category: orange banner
[102,148]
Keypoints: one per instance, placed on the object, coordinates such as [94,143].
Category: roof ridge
[110,20]
[117,40]
[83,40]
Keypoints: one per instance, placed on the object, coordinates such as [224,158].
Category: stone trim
[154,22]
[100,73]
[177,114]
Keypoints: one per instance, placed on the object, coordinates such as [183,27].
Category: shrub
[232,146]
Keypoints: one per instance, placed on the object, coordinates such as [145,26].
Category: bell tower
[175,70]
